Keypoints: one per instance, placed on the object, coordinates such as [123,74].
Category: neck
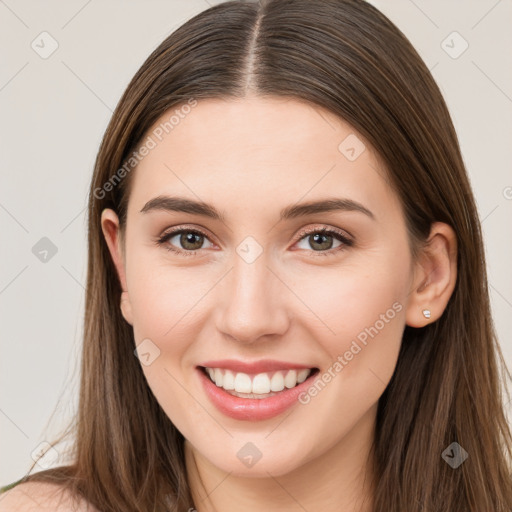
[341,478]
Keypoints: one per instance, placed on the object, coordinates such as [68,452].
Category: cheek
[166,305]
[359,301]
[362,312]
[165,299]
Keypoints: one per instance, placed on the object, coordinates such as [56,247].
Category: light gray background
[54,112]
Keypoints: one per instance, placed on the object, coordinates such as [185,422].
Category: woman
[282,231]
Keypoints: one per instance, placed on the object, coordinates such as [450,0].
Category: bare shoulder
[41,497]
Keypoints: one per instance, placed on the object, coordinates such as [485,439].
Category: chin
[257,459]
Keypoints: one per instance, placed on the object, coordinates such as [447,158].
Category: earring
[426,313]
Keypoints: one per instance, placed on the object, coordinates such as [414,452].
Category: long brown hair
[349,58]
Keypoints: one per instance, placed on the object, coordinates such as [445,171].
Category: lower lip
[252,409]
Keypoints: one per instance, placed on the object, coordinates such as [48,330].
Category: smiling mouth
[257,386]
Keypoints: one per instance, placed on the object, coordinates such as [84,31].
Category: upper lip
[262,366]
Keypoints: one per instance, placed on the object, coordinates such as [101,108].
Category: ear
[435,275]
[111,232]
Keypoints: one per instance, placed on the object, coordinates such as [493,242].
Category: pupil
[188,238]
[316,238]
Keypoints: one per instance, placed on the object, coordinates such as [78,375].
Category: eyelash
[346,242]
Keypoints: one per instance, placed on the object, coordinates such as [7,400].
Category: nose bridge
[251,305]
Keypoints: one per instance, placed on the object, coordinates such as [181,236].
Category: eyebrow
[182,204]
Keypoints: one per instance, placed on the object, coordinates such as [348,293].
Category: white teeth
[260,384]
[291,379]
[243,383]
[302,375]
[277,382]
[218,377]
[229,380]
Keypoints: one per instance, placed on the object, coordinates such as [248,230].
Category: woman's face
[252,293]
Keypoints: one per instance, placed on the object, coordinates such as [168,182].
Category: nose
[252,302]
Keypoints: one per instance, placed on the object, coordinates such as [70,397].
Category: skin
[250,158]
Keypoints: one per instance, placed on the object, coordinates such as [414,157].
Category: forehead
[258,151]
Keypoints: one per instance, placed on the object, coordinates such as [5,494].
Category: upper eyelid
[341,232]
[177,230]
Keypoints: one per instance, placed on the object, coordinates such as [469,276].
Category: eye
[321,240]
[191,240]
